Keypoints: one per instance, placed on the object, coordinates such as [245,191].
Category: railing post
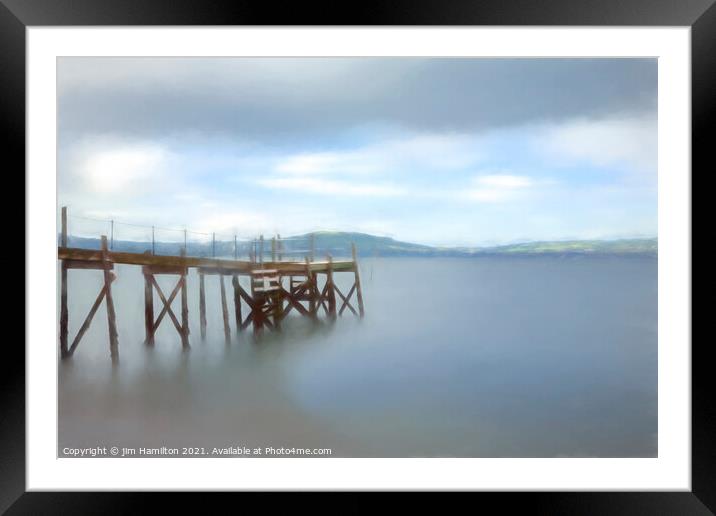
[152,240]
[63,238]
[261,249]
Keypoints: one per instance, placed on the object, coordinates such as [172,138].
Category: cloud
[435,152]
[457,149]
[626,141]
[361,171]
[326,163]
[330,187]
[291,100]
[493,188]
[230,221]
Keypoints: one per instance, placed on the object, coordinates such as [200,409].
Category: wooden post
[184,307]
[152,239]
[330,289]
[213,245]
[236,249]
[185,240]
[202,306]
[148,308]
[256,313]
[64,314]
[313,246]
[277,298]
[111,317]
[111,234]
[312,291]
[280,248]
[273,249]
[237,302]
[225,311]
[359,291]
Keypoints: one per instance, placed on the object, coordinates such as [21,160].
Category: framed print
[424,248]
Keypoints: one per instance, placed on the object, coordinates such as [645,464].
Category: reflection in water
[456,357]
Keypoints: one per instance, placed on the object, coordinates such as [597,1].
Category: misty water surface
[507,357]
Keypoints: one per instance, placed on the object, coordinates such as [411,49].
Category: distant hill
[623,246]
[338,244]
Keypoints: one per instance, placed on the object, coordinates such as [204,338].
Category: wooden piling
[256,313]
[359,291]
[273,249]
[237,303]
[277,298]
[311,291]
[184,307]
[330,290]
[64,313]
[148,309]
[111,317]
[202,306]
[225,311]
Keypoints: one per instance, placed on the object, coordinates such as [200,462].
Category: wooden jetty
[275,289]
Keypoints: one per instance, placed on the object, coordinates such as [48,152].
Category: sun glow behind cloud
[497,187]
[121,169]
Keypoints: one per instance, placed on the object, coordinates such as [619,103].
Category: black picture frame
[17,15]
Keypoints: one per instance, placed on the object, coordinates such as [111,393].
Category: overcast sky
[437,151]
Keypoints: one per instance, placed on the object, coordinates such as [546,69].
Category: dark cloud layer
[278,100]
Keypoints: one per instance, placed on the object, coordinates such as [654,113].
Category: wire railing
[85,232]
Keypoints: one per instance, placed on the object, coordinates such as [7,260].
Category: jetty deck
[91,256]
[270,290]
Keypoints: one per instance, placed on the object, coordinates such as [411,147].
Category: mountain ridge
[338,243]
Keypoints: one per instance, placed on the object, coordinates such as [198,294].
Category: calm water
[506,357]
